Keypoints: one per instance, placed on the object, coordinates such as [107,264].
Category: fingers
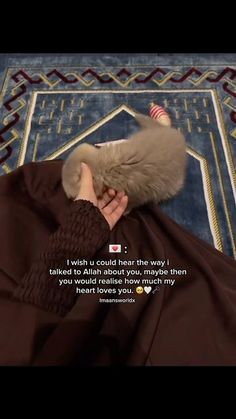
[120,209]
[114,203]
[107,197]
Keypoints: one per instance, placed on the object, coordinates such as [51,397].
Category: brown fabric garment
[83,232]
[191,323]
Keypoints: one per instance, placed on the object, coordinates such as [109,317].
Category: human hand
[112,205]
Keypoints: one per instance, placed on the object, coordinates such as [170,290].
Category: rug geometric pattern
[46,112]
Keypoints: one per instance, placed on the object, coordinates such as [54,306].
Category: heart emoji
[147,289]
[114,248]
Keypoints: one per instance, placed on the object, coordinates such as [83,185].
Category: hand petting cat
[112,205]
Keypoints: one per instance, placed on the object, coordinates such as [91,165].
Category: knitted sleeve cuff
[83,233]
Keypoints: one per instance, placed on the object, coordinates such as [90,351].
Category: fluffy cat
[149,166]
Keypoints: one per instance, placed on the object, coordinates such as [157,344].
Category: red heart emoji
[114,248]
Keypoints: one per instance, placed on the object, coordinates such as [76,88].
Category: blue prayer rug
[50,104]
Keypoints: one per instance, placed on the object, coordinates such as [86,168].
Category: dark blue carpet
[50,104]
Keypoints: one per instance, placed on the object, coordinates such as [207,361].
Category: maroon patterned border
[17,77]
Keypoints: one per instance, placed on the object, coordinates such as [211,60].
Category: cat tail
[146,121]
